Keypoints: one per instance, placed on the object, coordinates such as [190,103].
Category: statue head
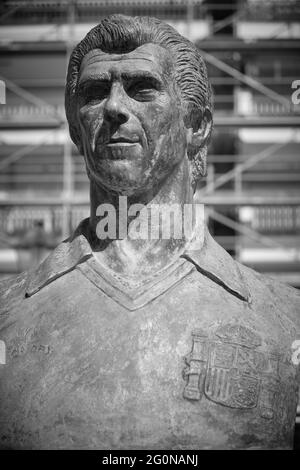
[138,102]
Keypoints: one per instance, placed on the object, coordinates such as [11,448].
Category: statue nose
[115,111]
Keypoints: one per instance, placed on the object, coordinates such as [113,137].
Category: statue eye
[95,93]
[142,89]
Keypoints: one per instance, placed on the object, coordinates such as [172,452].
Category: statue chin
[119,170]
[120,183]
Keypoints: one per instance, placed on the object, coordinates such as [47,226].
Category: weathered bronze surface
[144,344]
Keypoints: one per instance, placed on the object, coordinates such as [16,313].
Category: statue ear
[197,145]
[199,138]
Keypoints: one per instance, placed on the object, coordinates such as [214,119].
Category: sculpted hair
[121,34]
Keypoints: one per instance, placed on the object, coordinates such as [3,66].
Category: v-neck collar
[211,260]
[134,294]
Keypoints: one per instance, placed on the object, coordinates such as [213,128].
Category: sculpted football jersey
[198,356]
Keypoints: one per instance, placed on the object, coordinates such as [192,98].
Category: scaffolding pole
[20,153]
[252,234]
[68,175]
[251,82]
[27,96]
[239,168]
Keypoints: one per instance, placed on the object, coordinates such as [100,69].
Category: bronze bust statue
[121,342]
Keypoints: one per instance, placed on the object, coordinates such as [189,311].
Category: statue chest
[178,373]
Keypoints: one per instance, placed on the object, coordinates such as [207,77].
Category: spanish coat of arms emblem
[230,368]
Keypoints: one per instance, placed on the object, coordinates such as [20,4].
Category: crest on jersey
[227,368]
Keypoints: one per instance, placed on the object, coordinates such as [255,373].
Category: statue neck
[124,253]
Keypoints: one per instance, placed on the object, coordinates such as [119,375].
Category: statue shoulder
[12,292]
[270,293]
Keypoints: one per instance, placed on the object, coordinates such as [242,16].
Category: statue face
[131,118]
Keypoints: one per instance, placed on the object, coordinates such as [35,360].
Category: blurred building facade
[252,189]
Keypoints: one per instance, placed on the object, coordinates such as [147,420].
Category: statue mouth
[118,148]
[122,141]
[121,144]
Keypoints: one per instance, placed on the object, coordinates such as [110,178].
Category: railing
[262,105]
[276,219]
[32,114]
[25,113]
[18,220]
